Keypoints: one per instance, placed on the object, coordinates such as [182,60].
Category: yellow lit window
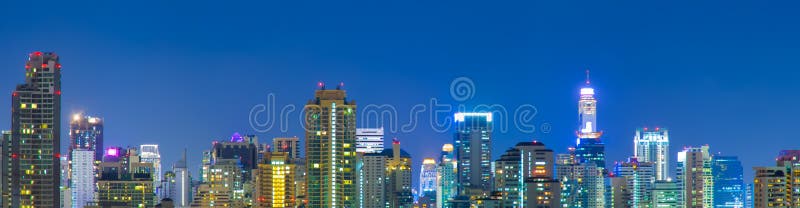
[23,106]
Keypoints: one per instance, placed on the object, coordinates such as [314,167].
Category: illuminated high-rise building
[694,176]
[770,187]
[225,176]
[427,178]
[666,194]
[289,145]
[652,145]
[86,133]
[83,179]
[398,175]
[330,123]
[778,186]
[446,175]
[275,181]
[240,148]
[125,181]
[590,148]
[369,140]
[728,182]
[528,163]
[34,172]
[583,184]
[640,177]
[149,153]
[473,148]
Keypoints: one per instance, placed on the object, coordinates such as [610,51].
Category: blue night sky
[184,73]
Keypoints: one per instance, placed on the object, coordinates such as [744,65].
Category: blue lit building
[728,181]
[473,148]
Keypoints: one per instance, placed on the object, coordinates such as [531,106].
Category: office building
[86,133]
[427,178]
[473,148]
[652,145]
[275,185]
[694,176]
[149,153]
[728,182]
[526,163]
[83,178]
[34,175]
[369,140]
[446,175]
[618,194]
[640,177]
[182,191]
[330,122]
[126,181]
[242,149]
[583,184]
[666,194]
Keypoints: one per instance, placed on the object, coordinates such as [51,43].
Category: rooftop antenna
[587,77]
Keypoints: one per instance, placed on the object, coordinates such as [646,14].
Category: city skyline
[694,85]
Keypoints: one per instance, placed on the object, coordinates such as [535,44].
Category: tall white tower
[652,145]
[149,153]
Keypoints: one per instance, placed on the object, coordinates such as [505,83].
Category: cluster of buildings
[339,165]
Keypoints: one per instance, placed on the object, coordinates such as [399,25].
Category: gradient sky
[183,73]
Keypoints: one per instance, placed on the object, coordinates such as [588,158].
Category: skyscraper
[290,145]
[330,124]
[86,133]
[242,149]
[446,176]
[526,163]
[149,153]
[778,186]
[427,178]
[640,177]
[473,148]
[770,187]
[83,177]
[183,183]
[583,184]
[34,174]
[275,181]
[652,145]
[372,181]
[728,180]
[693,176]
[398,175]
[369,140]
[590,148]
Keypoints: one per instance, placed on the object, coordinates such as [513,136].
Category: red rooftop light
[27,66]
[44,65]
[37,53]
[58,66]
[14,94]
[58,92]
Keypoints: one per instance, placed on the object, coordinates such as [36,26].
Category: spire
[587,77]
